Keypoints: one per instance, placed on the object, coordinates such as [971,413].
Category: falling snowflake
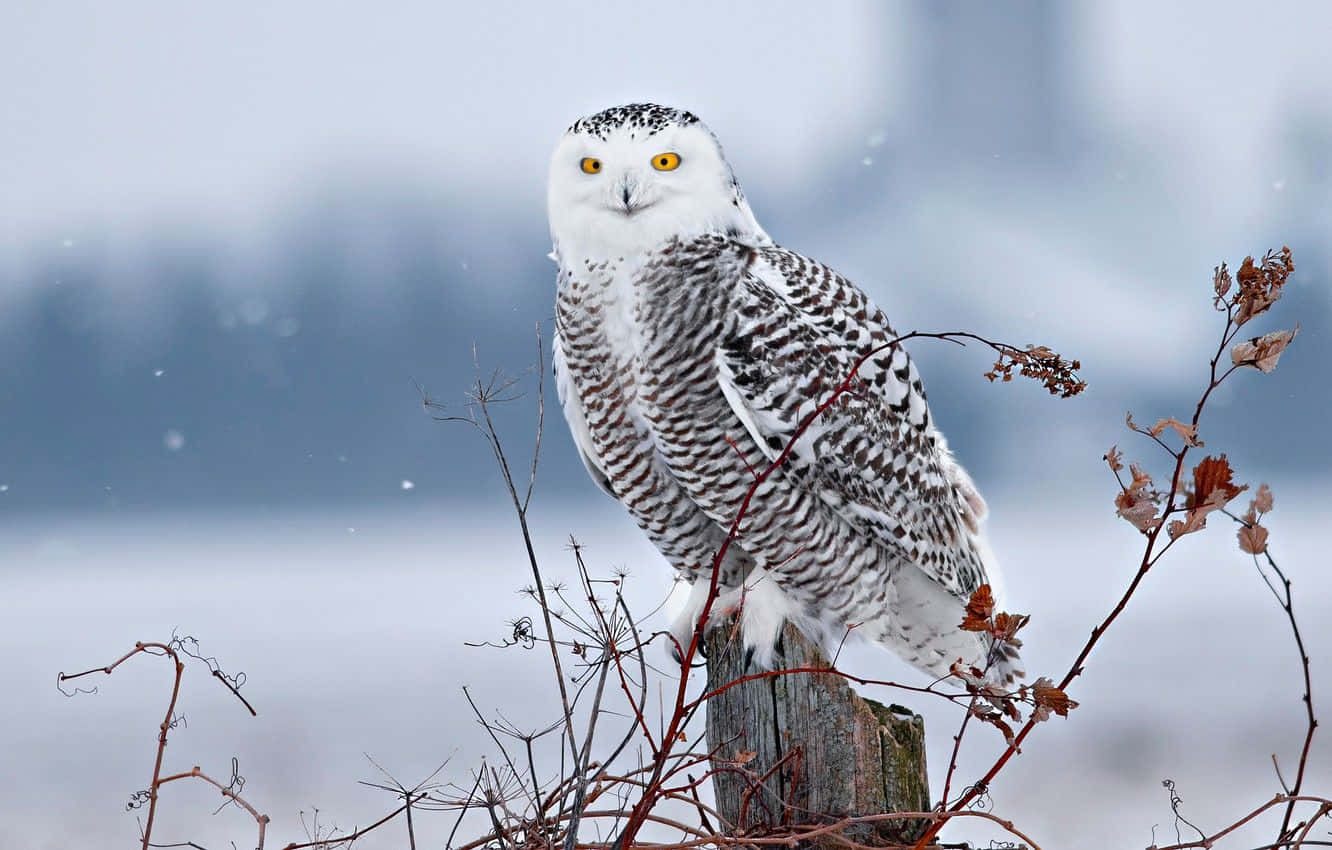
[253,311]
[173,440]
[408,484]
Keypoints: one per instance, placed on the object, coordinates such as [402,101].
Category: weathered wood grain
[819,751]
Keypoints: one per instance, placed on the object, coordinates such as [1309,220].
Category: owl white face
[625,180]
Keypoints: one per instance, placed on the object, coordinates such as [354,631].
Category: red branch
[1149,558]
[168,650]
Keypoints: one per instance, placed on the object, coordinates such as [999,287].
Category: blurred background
[237,242]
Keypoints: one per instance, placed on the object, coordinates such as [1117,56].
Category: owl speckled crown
[649,117]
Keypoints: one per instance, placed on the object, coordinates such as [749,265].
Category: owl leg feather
[682,627]
[764,609]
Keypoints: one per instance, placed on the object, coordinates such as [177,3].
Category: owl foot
[682,627]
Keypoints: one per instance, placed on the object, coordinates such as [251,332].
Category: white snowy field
[350,628]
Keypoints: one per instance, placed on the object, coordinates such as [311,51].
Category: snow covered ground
[349,627]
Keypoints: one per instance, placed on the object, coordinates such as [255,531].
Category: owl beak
[628,195]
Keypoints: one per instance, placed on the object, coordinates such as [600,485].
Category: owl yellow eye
[666,161]
[590,165]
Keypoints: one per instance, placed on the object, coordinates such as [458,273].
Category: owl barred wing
[796,330]
[573,414]
[689,350]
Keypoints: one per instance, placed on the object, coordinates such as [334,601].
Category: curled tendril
[522,635]
[138,800]
[60,686]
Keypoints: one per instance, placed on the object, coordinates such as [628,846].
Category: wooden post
[819,751]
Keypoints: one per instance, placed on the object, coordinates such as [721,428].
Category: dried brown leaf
[979,610]
[1260,284]
[1212,487]
[1046,695]
[1041,363]
[1253,539]
[1248,272]
[995,719]
[1011,709]
[1212,490]
[1221,281]
[1263,352]
[1141,514]
[1137,502]
[1115,459]
[1006,626]
[1262,500]
[1195,520]
[1256,304]
[1142,479]
[1188,433]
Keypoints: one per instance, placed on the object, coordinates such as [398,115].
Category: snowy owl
[689,348]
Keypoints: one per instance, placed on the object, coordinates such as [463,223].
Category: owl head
[624,180]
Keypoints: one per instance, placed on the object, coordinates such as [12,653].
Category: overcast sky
[141,111]
[126,122]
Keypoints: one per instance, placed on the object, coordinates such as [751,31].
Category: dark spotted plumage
[687,363]
[647,117]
